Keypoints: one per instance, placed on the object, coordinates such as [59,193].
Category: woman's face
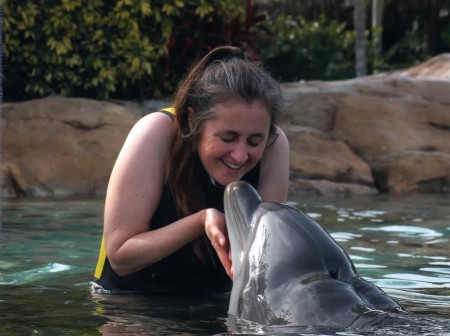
[232,143]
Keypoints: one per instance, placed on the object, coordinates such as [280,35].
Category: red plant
[192,38]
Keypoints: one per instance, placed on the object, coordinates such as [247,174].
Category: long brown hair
[222,74]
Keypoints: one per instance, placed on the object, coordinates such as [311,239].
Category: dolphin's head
[288,270]
[240,203]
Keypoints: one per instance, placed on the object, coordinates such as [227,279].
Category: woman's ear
[191,118]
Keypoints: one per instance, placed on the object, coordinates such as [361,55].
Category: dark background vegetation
[140,49]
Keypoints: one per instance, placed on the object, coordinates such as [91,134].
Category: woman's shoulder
[163,116]
[154,122]
[152,135]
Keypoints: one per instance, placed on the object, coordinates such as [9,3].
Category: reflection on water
[49,250]
[162,315]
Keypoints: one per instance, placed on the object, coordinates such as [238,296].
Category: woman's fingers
[223,257]
[215,229]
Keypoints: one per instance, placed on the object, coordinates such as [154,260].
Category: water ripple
[406,231]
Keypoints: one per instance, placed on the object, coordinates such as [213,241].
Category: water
[49,251]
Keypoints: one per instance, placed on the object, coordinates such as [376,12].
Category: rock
[14,181]
[315,156]
[382,133]
[414,171]
[437,68]
[61,146]
[398,124]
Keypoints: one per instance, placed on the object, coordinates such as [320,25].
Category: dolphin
[288,271]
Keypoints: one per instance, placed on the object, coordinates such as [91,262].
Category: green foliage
[201,26]
[408,51]
[123,49]
[73,47]
[306,50]
[140,49]
[98,48]
[445,37]
[200,29]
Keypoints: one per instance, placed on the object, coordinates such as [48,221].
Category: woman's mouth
[232,165]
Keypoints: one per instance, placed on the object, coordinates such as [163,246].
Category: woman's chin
[227,181]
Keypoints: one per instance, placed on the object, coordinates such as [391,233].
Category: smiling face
[230,144]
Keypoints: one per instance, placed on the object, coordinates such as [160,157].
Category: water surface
[49,251]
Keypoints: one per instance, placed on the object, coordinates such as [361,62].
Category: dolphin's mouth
[240,202]
[237,233]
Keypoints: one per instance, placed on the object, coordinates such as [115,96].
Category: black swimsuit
[181,271]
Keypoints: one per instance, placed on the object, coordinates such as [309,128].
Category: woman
[164,227]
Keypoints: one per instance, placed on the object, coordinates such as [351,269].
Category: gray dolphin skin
[288,271]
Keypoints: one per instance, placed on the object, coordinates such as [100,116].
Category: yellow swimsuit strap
[101,260]
[171,110]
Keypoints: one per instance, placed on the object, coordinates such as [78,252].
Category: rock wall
[386,133]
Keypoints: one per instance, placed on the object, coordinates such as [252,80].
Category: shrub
[139,49]
[122,49]
[307,50]
[409,50]
[224,22]
[73,47]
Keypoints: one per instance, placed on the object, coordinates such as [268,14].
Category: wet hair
[222,75]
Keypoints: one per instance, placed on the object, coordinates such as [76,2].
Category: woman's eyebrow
[233,132]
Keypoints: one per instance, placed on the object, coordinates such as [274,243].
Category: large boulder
[61,146]
[398,124]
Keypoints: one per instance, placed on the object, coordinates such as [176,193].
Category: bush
[123,49]
[408,50]
[224,22]
[75,47]
[140,49]
[308,50]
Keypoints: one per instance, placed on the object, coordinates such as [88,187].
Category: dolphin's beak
[240,203]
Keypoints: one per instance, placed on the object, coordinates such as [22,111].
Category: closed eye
[253,141]
[256,140]
[228,138]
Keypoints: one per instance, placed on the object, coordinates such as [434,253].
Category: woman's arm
[134,192]
[274,176]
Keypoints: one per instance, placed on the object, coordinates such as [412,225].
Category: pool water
[48,251]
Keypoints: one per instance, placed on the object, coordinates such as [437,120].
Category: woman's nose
[239,153]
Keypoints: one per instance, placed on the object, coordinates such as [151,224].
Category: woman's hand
[216,230]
